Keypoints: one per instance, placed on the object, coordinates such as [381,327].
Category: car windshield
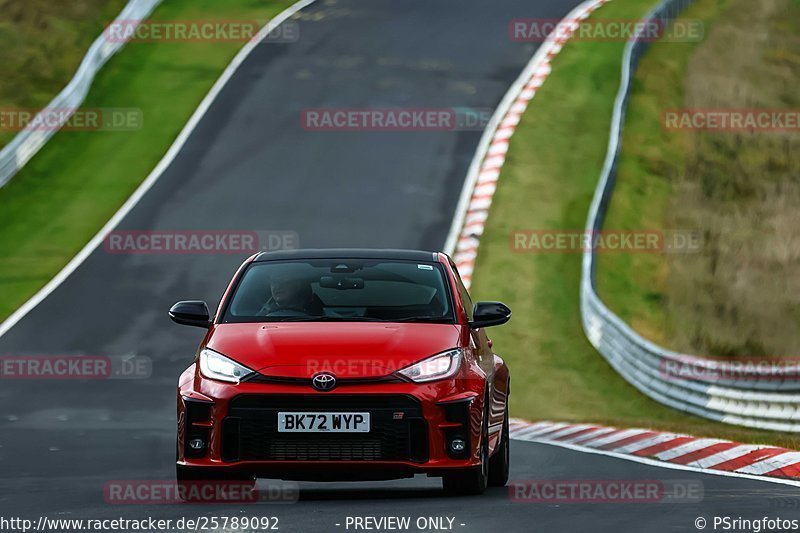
[347,290]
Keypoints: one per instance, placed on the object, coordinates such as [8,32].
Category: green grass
[42,42]
[53,207]
[739,189]
[631,283]
[547,183]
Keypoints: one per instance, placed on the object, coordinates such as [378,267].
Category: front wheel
[499,464]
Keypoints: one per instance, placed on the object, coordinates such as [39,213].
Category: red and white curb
[481,182]
[673,448]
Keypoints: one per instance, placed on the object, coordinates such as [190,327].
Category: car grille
[250,431]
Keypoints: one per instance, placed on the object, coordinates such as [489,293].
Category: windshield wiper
[428,318]
[328,318]
[324,318]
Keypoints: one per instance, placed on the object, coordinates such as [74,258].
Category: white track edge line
[662,464]
[156,173]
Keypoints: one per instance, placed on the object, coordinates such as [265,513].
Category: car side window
[462,290]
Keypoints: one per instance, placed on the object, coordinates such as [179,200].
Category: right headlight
[214,365]
[441,366]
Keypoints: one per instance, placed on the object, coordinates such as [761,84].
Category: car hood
[346,349]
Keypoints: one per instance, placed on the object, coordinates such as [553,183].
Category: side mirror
[489,314]
[191,313]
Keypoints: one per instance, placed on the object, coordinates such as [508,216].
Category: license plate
[323,422]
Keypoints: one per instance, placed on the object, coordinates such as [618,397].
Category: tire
[188,479]
[471,481]
[499,464]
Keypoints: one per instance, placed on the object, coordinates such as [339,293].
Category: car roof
[348,253]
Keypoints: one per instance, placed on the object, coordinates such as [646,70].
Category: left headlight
[216,366]
[441,366]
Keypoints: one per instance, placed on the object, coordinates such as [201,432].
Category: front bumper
[412,429]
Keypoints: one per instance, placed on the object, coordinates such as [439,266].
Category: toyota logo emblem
[323,382]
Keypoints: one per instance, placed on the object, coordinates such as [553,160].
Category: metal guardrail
[754,397]
[28,142]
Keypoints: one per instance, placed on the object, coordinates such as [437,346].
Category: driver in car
[291,293]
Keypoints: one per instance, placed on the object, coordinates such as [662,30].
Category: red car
[345,365]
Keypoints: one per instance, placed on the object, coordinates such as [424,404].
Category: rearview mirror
[191,313]
[489,314]
[342,284]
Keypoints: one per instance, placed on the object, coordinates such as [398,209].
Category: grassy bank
[41,45]
[73,186]
[738,295]
[547,183]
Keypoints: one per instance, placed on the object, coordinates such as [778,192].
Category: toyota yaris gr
[345,365]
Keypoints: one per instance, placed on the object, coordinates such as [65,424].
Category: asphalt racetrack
[250,165]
